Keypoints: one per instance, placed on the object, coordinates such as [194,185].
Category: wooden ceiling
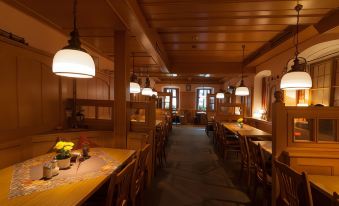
[189,36]
[96,23]
[210,31]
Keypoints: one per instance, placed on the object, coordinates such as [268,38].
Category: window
[202,99]
[175,98]
[321,85]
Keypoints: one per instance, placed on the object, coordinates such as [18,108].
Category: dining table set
[24,183]
[326,185]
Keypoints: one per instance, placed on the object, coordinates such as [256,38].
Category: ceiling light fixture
[72,60]
[220,94]
[242,90]
[134,86]
[297,78]
[147,91]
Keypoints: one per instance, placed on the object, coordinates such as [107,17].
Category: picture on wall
[188,87]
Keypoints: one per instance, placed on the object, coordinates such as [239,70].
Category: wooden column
[279,137]
[121,89]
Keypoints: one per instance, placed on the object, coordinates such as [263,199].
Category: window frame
[198,96]
[174,98]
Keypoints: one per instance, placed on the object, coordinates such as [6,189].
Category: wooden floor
[194,175]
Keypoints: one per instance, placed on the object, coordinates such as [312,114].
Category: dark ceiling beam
[328,22]
[132,17]
[284,40]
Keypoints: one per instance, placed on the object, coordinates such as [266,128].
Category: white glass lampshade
[147,91]
[155,93]
[73,63]
[242,91]
[296,80]
[220,95]
[134,88]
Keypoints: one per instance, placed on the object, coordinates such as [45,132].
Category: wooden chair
[120,186]
[261,176]
[160,152]
[140,176]
[294,187]
[245,159]
[229,143]
[335,199]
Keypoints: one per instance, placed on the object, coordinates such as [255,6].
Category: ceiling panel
[214,30]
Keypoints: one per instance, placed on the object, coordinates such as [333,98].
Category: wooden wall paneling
[29,92]
[50,97]
[8,90]
[92,92]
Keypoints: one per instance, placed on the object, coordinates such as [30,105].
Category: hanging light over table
[134,87]
[297,78]
[72,60]
[220,95]
[147,91]
[242,90]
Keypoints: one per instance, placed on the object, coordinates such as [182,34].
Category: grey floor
[194,176]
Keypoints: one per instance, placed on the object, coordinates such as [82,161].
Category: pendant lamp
[296,78]
[220,95]
[134,87]
[147,91]
[242,90]
[72,60]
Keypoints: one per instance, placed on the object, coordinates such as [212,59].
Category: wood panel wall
[33,98]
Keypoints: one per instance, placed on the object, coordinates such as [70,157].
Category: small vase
[241,125]
[64,163]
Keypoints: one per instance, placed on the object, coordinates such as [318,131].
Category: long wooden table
[65,195]
[247,131]
[325,184]
[265,145]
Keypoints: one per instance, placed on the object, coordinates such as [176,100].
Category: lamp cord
[75,14]
[298,7]
[242,63]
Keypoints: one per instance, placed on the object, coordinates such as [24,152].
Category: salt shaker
[55,168]
[47,171]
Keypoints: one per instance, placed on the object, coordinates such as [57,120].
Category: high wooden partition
[142,129]
[306,138]
[230,112]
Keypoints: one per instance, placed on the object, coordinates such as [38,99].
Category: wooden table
[325,184]
[265,145]
[68,194]
[247,131]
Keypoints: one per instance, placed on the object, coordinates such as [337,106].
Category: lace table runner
[27,175]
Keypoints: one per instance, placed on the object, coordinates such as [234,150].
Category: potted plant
[240,122]
[63,150]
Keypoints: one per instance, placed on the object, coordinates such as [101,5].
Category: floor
[194,176]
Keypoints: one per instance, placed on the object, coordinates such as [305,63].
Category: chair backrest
[257,159]
[119,186]
[139,174]
[244,150]
[335,199]
[294,187]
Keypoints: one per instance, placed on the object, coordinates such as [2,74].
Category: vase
[64,163]
[241,125]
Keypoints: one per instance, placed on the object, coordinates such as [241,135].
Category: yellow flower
[69,144]
[68,148]
[59,145]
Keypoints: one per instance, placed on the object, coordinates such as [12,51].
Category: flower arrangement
[63,149]
[240,120]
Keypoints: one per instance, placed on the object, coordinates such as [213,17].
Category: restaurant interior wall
[33,98]
[277,63]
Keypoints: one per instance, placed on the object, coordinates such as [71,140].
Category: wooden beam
[121,89]
[131,15]
[210,68]
[328,22]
